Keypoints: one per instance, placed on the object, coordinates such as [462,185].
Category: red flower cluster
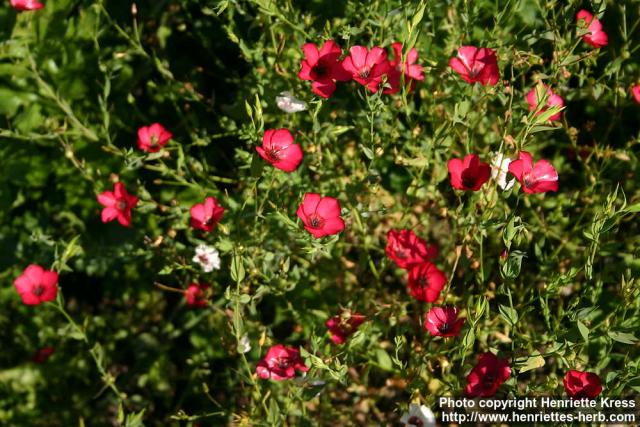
[280,363]
[343,325]
[320,215]
[596,36]
[580,385]
[487,376]
[369,67]
[476,65]
[24,5]
[443,322]
[37,285]
[152,138]
[206,216]
[279,149]
[196,295]
[117,204]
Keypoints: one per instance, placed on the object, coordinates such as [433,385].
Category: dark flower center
[489,380]
[208,220]
[315,221]
[400,253]
[283,363]
[122,205]
[273,154]
[444,328]
[154,141]
[364,73]
[422,281]
[468,179]
[38,290]
[528,180]
[415,421]
[320,70]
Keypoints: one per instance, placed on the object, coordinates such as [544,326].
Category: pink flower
[43,354]
[443,322]
[426,282]
[117,205]
[280,363]
[320,215]
[406,249]
[37,285]
[535,96]
[487,376]
[468,174]
[538,178]
[343,325]
[367,66]
[596,36]
[26,5]
[635,91]
[206,216]
[476,65]
[196,295]
[409,68]
[579,385]
[279,149]
[152,138]
[323,67]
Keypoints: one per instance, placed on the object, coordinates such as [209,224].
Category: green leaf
[384,360]
[622,337]
[509,314]
[584,331]
[530,363]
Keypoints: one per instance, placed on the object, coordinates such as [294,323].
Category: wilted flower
[443,321]
[579,385]
[426,282]
[37,285]
[279,149]
[43,354]
[367,66]
[244,344]
[196,295]
[487,376]
[535,96]
[596,37]
[152,138]
[500,171]
[538,178]
[343,325]
[476,65]
[418,416]
[117,205]
[406,249]
[280,363]
[24,5]
[289,103]
[320,215]
[208,258]
[322,67]
[409,68]
[468,174]
[206,216]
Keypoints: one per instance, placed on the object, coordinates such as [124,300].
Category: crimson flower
[23,5]
[476,65]
[443,321]
[409,68]
[322,67]
[152,138]
[196,295]
[206,216]
[534,178]
[535,96]
[406,249]
[635,91]
[426,282]
[596,37]
[280,363]
[468,174]
[343,325]
[43,354]
[37,285]
[320,215]
[485,378]
[279,149]
[579,385]
[117,204]
[367,66]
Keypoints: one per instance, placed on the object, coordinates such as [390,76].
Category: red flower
[367,66]
[205,216]
[485,378]
[43,354]
[635,91]
[596,37]
[279,149]
[323,67]
[538,178]
[468,174]
[535,96]
[320,215]
[26,5]
[280,363]
[443,321]
[406,249]
[117,204]
[196,295]
[37,285]
[426,282]
[579,385]
[409,68]
[152,138]
[343,325]
[476,65]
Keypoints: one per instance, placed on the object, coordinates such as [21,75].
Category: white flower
[420,416]
[244,345]
[208,258]
[499,171]
[289,103]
